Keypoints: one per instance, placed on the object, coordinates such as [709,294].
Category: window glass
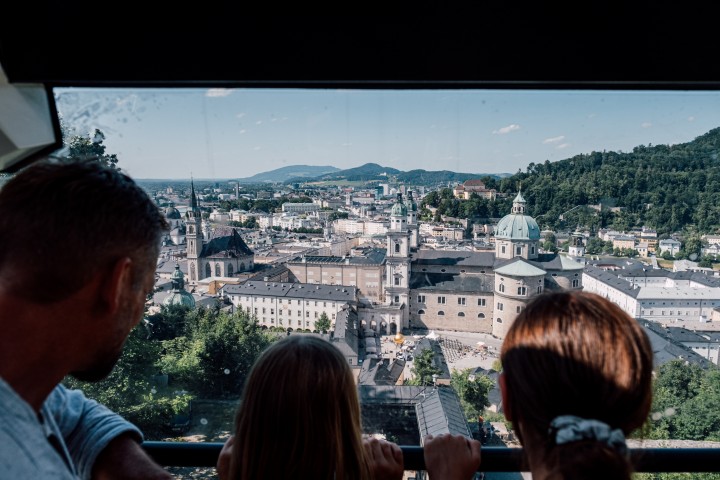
[234,149]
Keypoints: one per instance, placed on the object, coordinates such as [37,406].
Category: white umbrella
[432,335]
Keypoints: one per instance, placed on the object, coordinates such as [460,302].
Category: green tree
[675,385]
[322,324]
[214,357]
[130,391]
[82,147]
[473,391]
[424,368]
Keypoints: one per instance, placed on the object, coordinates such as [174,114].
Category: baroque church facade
[445,289]
[217,257]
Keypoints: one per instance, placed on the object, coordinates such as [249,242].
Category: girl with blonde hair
[300,418]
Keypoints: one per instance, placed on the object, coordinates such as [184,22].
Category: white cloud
[240,115]
[691,119]
[242,130]
[218,92]
[646,125]
[259,122]
[346,144]
[257,148]
[563,146]
[554,139]
[508,129]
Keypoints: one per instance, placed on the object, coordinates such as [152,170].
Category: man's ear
[118,279]
[507,408]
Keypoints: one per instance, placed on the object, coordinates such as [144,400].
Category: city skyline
[223,133]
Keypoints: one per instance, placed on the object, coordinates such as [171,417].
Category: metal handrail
[494,459]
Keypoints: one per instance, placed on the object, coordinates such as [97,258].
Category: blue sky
[219,134]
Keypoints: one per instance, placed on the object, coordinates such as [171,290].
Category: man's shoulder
[26,451]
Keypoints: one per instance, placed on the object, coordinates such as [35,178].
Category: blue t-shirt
[62,442]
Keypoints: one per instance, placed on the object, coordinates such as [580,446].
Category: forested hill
[661,186]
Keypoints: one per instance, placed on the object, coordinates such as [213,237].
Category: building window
[461,300]
[299,313]
[502,249]
[481,315]
[397,298]
[316,314]
[575,283]
[500,306]
[397,281]
[421,312]
[522,291]
[539,289]
[481,302]
[532,250]
[461,314]
[499,320]
[518,250]
[502,287]
[441,300]
[518,309]
[441,313]
[307,314]
[421,298]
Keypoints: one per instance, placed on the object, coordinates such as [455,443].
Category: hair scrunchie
[568,428]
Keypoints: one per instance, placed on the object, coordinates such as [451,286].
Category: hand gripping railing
[494,459]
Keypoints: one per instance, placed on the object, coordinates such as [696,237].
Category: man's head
[62,223]
[80,240]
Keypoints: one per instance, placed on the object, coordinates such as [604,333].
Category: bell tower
[194,237]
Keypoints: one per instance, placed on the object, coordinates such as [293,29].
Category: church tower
[576,247]
[397,259]
[412,220]
[194,237]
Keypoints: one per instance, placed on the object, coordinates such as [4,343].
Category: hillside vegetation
[666,187]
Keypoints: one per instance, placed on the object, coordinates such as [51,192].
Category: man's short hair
[60,222]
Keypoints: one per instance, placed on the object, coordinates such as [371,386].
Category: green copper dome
[410,203]
[178,295]
[517,225]
[399,209]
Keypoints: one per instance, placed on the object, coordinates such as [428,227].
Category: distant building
[669,245]
[218,257]
[290,305]
[680,298]
[466,189]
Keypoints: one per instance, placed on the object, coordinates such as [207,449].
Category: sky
[237,133]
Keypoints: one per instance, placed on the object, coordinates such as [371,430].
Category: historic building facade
[218,257]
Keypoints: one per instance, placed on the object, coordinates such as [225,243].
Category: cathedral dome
[180,298]
[178,295]
[399,209]
[172,213]
[517,225]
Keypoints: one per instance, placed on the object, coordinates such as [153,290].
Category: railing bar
[494,459]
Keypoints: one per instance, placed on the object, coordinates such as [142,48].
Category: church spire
[193,198]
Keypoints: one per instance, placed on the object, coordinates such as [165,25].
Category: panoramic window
[268,190]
